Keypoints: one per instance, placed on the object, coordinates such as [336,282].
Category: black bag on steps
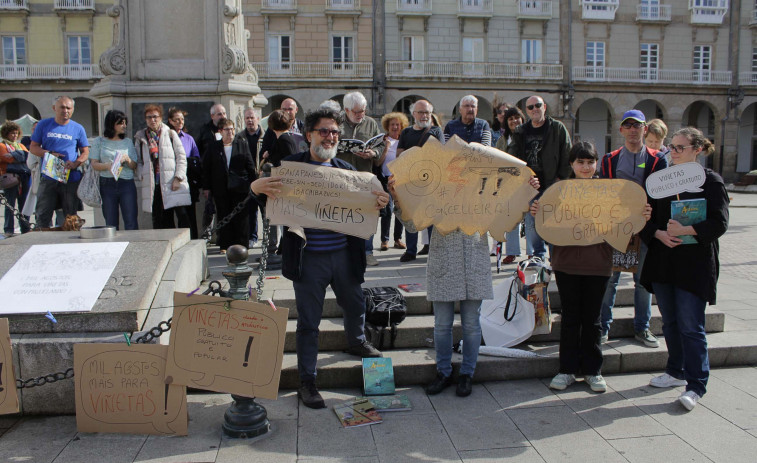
[385,307]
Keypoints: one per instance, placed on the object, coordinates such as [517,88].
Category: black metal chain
[155,332]
[225,221]
[21,217]
[263,258]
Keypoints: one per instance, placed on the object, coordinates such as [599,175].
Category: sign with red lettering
[8,395]
[582,212]
[122,389]
[225,345]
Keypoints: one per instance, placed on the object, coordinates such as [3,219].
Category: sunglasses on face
[678,149]
[635,125]
[535,105]
[326,132]
[501,111]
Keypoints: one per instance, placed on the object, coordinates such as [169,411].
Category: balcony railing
[535,9]
[301,70]
[654,12]
[646,75]
[279,4]
[342,4]
[50,72]
[14,5]
[414,6]
[748,78]
[74,5]
[708,11]
[475,7]
[468,70]
[601,10]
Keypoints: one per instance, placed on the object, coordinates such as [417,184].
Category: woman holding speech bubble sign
[684,277]
[582,273]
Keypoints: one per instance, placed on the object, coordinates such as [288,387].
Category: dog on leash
[72,223]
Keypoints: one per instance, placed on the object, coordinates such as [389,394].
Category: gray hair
[215,106]
[353,99]
[332,105]
[64,97]
[430,106]
[470,98]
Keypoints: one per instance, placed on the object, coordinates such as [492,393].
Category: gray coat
[459,266]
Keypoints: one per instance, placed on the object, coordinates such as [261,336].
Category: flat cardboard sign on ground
[8,395]
[59,277]
[464,186]
[675,180]
[225,345]
[121,388]
[582,212]
[325,197]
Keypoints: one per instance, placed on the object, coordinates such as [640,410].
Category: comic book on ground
[389,403]
[411,287]
[688,212]
[357,412]
[356,146]
[378,376]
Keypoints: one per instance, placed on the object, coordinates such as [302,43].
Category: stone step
[417,365]
[418,330]
[418,305]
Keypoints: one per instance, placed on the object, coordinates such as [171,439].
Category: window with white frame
[280,52]
[473,52]
[14,50]
[342,51]
[79,50]
[754,59]
[595,59]
[702,62]
[649,60]
[412,50]
[531,51]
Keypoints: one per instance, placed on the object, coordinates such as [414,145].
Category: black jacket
[269,137]
[215,173]
[553,154]
[206,137]
[292,246]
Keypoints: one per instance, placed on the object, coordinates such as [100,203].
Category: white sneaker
[665,380]
[561,381]
[689,399]
[596,383]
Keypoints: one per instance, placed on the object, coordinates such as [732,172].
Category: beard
[326,154]
[423,124]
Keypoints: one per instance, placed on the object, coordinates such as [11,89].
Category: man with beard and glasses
[329,259]
[416,135]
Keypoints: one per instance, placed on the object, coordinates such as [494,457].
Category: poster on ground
[8,393]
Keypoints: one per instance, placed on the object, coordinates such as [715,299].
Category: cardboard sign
[225,345]
[675,180]
[325,197]
[470,187]
[121,388]
[8,395]
[582,212]
[59,277]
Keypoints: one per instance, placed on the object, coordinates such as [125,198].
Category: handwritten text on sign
[325,197]
[675,180]
[8,396]
[463,186]
[122,388]
[584,212]
[226,346]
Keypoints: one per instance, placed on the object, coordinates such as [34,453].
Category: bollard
[244,418]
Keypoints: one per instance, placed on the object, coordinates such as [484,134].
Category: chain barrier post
[269,260]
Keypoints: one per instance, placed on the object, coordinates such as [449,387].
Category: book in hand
[378,376]
[357,146]
[390,403]
[688,212]
[411,287]
[117,165]
[357,412]
[55,168]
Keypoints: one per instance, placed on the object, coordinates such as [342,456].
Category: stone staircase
[413,356]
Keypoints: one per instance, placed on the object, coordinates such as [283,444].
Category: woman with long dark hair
[114,147]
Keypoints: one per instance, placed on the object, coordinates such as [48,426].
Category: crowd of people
[222,163]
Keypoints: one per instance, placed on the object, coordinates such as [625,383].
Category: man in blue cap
[635,162]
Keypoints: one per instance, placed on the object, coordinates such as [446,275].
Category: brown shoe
[508,260]
[384,246]
[398,244]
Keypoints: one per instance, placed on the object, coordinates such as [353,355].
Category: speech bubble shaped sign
[582,212]
[675,180]
[122,389]
[470,187]
[8,394]
[225,345]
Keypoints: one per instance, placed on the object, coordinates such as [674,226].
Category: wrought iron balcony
[654,13]
[468,70]
[647,75]
[599,10]
[50,72]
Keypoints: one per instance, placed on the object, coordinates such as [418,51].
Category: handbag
[89,188]
[8,181]
[627,261]
[508,319]
[533,276]
[385,307]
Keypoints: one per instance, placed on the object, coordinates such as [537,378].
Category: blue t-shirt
[64,139]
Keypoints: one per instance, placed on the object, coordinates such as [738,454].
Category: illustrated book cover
[389,403]
[378,376]
[55,168]
[356,146]
[357,412]
[688,212]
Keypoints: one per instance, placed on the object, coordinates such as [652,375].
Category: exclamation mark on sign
[1,378]
[247,351]
[165,401]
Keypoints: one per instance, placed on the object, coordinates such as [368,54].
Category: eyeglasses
[635,125]
[288,109]
[501,111]
[359,111]
[535,105]
[326,132]
[152,117]
[422,113]
[228,129]
[678,149]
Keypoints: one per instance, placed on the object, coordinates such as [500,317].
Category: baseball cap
[634,114]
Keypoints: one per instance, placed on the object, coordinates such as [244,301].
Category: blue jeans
[642,300]
[683,326]
[444,316]
[252,210]
[512,245]
[534,243]
[369,246]
[123,193]
[411,241]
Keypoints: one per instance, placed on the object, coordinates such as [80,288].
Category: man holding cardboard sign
[329,259]
[633,161]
